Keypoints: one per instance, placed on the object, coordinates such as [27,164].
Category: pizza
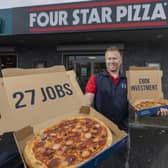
[69,143]
[144,104]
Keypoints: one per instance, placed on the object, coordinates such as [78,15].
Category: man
[108,91]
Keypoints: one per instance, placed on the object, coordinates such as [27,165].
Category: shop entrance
[84,66]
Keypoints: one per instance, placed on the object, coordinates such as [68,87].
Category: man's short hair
[113,48]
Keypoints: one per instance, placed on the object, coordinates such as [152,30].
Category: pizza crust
[32,162]
[154,103]
[29,157]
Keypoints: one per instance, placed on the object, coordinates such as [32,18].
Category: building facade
[76,35]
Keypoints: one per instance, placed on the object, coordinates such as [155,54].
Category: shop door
[83,71]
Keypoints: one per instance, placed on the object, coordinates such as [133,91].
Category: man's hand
[162,112]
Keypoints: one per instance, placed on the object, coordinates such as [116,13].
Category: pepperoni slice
[85,144]
[40,144]
[102,142]
[78,134]
[54,163]
[48,152]
[89,123]
[82,146]
[76,139]
[57,140]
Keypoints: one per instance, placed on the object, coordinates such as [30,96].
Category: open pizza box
[32,99]
[144,87]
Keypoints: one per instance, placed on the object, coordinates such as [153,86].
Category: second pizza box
[32,99]
[145,90]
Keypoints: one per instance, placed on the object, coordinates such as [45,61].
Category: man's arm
[90,97]
[90,90]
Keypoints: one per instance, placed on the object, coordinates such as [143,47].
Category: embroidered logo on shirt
[123,86]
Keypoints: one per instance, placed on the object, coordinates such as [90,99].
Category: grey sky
[21,3]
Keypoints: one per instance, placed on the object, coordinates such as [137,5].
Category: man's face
[113,61]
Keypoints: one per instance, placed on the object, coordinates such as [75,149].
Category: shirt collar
[121,75]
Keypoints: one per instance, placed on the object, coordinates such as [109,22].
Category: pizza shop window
[8,61]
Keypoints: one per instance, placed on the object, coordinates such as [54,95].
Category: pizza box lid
[32,96]
[144,83]
[32,99]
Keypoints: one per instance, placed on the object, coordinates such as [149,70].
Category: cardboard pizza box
[145,84]
[32,99]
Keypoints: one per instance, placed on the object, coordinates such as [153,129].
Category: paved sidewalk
[149,147]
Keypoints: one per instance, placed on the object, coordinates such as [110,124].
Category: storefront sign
[97,15]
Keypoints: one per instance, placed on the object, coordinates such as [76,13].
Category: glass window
[7,61]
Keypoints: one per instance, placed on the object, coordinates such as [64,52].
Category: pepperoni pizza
[68,143]
[144,104]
